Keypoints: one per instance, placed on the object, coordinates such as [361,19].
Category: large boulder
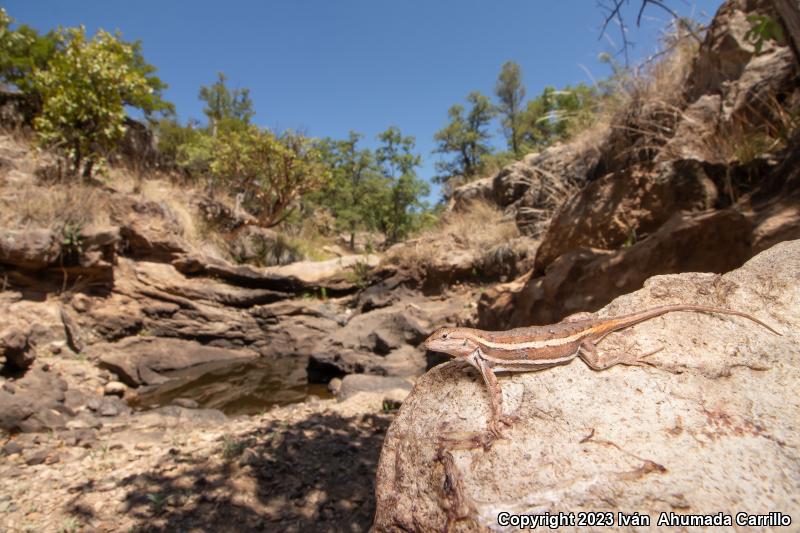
[726,51]
[711,427]
[617,209]
[713,241]
[151,230]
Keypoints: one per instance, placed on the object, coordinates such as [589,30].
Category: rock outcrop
[720,400]
[673,188]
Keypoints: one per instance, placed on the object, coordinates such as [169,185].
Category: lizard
[534,348]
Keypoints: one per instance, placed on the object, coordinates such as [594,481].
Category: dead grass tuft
[479,228]
[648,103]
[53,206]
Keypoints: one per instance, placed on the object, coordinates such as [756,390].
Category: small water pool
[236,388]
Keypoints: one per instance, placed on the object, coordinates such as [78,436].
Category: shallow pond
[236,388]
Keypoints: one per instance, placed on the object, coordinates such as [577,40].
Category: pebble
[34,457]
[115,388]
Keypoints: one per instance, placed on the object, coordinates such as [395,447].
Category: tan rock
[714,241]
[619,209]
[711,427]
[115,388]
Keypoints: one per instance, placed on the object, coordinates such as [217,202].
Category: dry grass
[479,228]
[53,206]
[177,201]
[647,104]
[764,127]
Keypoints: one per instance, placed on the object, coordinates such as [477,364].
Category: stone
[721,400]
[151,231]
[616,210]
[29,249]
[35,392]
[477,190]
[356,383]
[335,385]
[714,241]
[249,457]
[34,457]
[16,347]
[115,388]
[188,403]
[12,447]
[140,360]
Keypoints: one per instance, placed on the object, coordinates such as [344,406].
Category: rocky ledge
[711,427]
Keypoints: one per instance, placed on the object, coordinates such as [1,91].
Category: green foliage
[184,147]
[271,172]
[71,240]
[359,274]
[226,108]
[763,28]
[157,501]
[511,92]
[22,51]
[465,136]
[399,210]
[374,190]
[84,90]
[282,251]
[556,115]
[354,179]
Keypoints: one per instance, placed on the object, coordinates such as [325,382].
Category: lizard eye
[444,335]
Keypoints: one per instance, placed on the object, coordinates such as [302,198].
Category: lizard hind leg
[597,361]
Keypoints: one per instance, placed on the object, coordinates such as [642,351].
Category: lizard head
[452,341]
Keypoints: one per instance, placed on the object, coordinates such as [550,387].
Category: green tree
[187,148]
[401,204]
[467,137]
[84,90]
[511,92]
[23,50]
[556,115]
[226,107]
[272,173]
[355,180]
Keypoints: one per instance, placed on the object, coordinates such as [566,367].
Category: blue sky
[331,66]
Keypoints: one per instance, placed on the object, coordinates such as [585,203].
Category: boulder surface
[711,427]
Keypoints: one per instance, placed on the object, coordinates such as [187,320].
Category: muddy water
[239,388]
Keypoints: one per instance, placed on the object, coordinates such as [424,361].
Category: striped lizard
[539,347]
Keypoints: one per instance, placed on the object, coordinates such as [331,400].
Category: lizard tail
[625,321]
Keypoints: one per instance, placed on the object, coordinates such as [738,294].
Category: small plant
[70,524]
[359,274]
[71,239]
[391,406]
[763,28]
[157,501]
[232,448]
[630,240]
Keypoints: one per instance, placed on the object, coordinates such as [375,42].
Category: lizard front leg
[495,396]
[597,361]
